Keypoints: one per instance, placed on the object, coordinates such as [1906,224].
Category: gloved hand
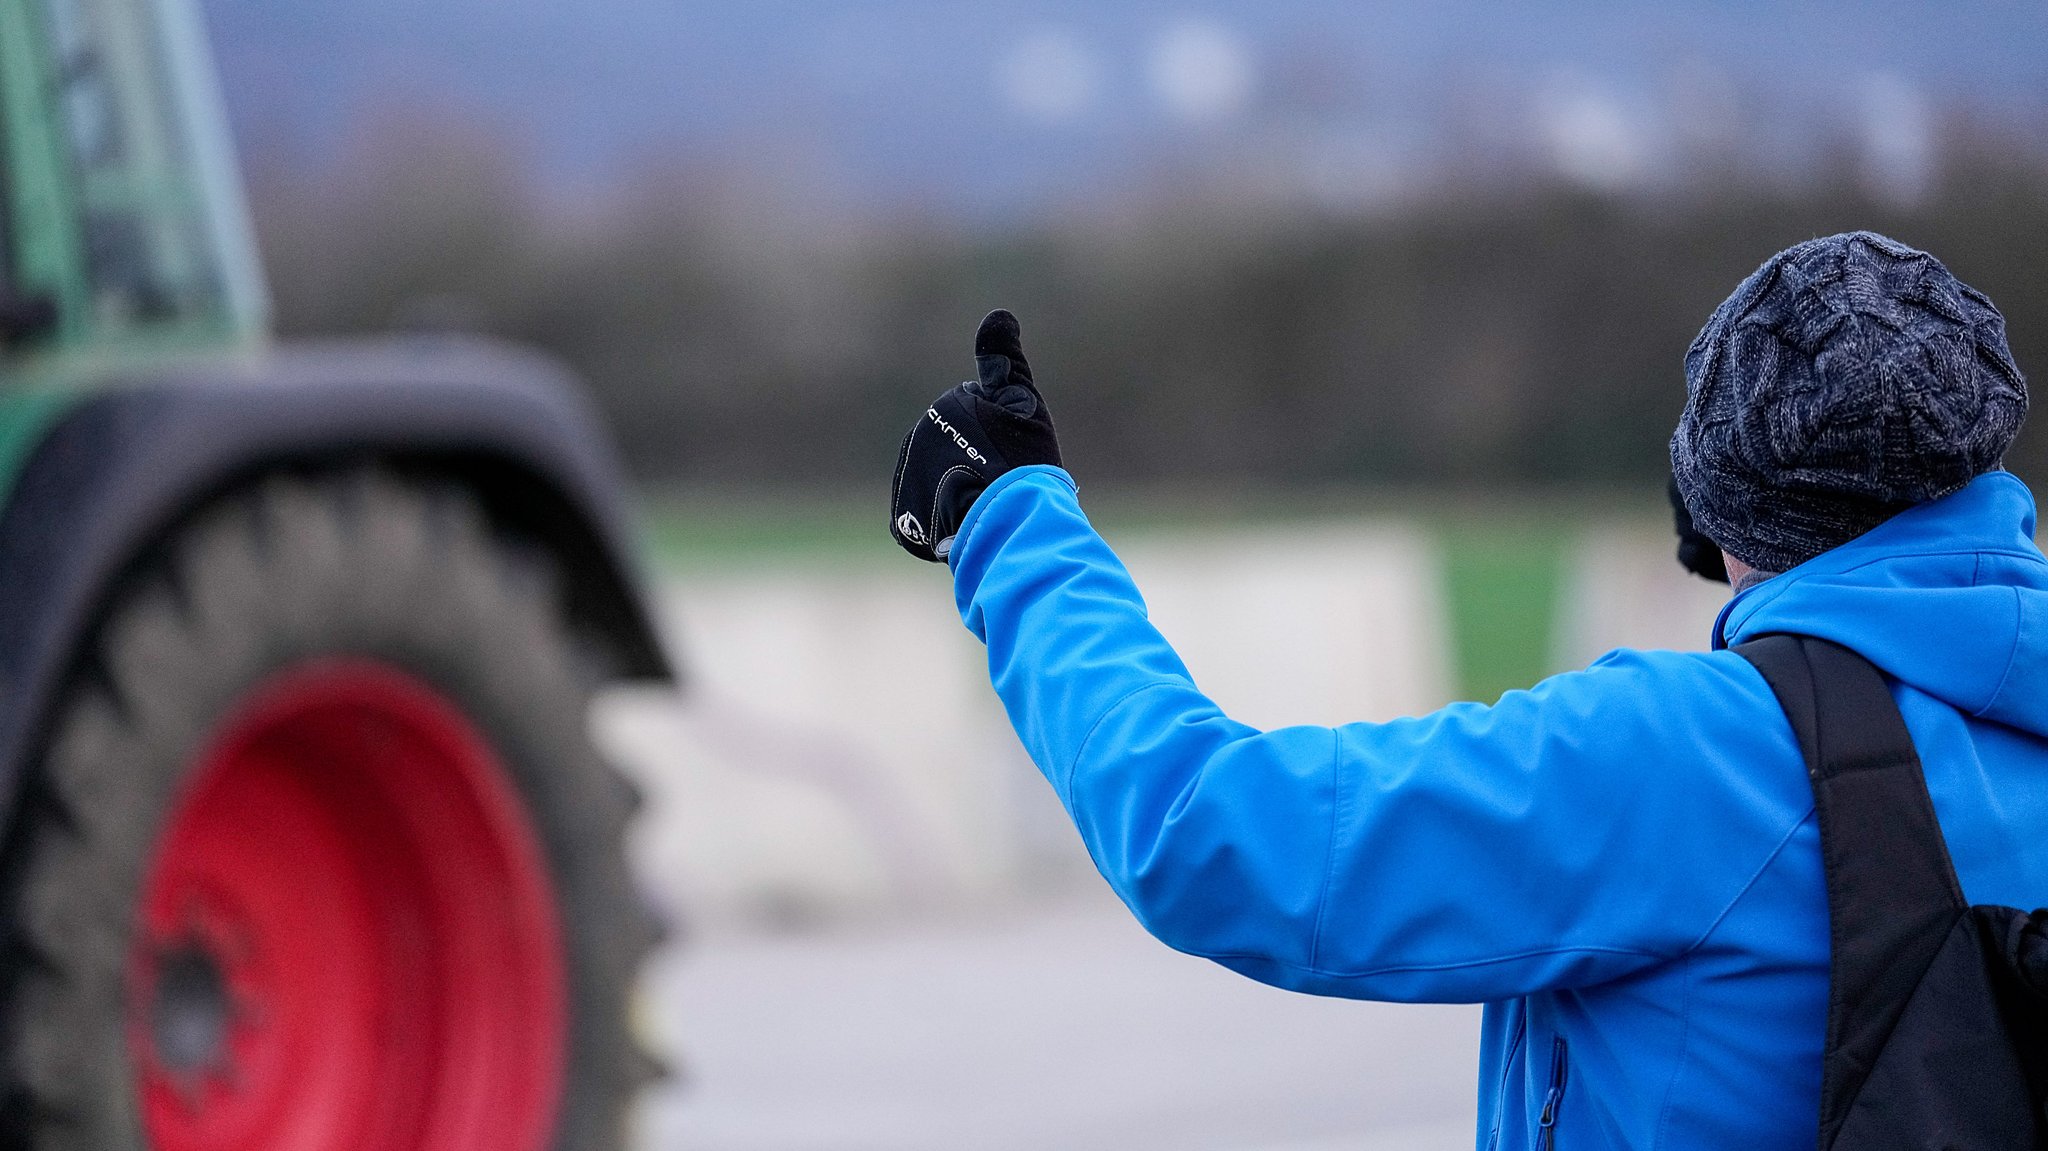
[975,432]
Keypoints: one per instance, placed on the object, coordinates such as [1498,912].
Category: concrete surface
[1056,1024]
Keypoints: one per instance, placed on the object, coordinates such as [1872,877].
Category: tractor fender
[127,462]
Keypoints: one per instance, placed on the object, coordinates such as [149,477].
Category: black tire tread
[292,567]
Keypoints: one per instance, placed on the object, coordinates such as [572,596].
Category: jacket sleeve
[1567,835]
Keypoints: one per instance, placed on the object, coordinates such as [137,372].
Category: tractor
[304,842]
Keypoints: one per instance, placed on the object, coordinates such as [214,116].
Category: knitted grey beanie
[1846,380]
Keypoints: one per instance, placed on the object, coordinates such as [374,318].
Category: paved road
[1051,1025]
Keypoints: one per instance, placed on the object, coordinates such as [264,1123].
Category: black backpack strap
[1892,891]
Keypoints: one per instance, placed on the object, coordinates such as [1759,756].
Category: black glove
[1698,554]
[975,432]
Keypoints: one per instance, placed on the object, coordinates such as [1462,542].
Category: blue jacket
[1621,863]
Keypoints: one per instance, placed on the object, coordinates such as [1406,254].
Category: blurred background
[1363,323]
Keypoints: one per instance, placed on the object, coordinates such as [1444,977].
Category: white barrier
[1312,624]
[838,749]
[1623,588]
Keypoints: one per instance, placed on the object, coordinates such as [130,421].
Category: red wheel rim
[349,940]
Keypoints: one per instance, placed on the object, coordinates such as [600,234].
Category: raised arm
[1470,854]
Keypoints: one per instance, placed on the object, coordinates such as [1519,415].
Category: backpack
[1937,1031]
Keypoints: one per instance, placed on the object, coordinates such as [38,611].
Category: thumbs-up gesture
[970,435]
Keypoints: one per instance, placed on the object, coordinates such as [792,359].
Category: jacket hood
[1950,596]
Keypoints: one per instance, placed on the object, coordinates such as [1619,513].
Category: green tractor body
[303,842]
[125,238]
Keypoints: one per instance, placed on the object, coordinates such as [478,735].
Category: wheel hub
[188,1015]
[349,939]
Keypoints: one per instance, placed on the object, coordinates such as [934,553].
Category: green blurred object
[740,532]
[1502,583]
[121,211]
[245,544]
[122,218]
[25,414]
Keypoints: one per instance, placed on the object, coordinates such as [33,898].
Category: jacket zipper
[1546,1123]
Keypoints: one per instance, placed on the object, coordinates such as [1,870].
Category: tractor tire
[319,855]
